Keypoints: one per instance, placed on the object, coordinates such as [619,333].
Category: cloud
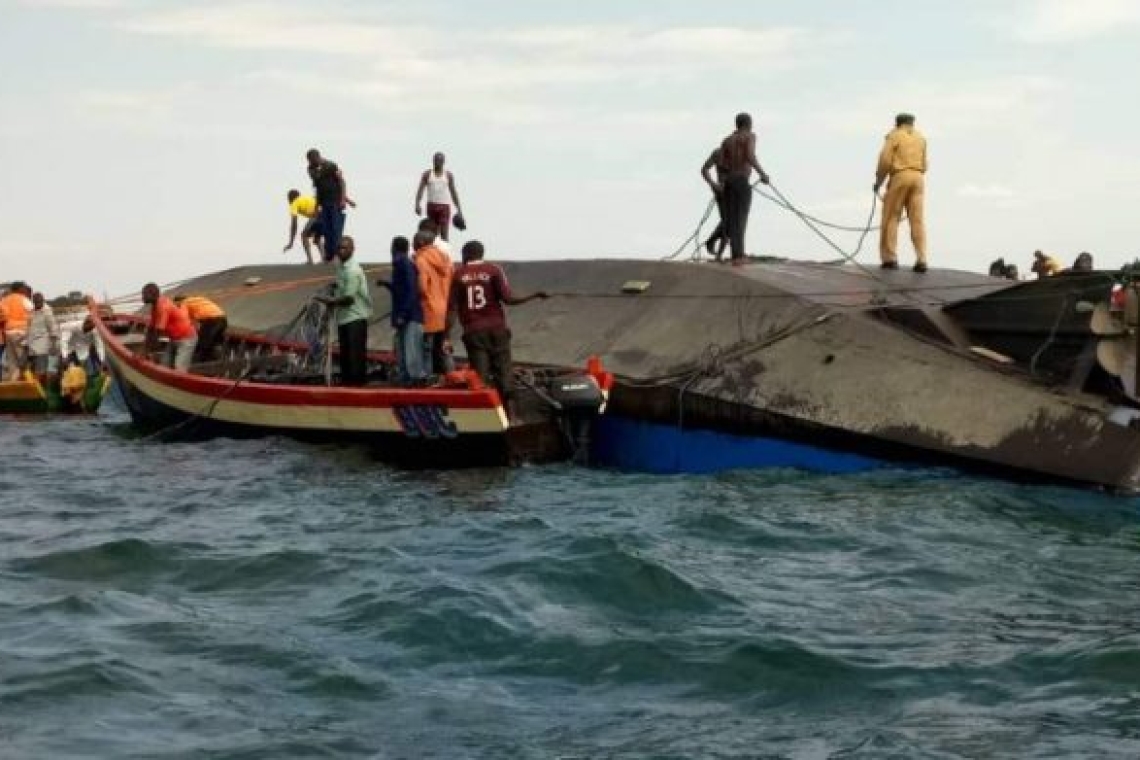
[985,192]
[953,105]
[74,4]
[397,60]
[1064,21]
[504,76]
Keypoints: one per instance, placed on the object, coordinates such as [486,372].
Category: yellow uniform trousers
[906,191]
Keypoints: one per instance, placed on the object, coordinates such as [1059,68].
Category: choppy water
[271,599]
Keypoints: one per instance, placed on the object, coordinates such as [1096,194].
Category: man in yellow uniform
[903,159]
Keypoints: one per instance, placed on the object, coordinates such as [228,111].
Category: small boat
[265,386]
[29,396]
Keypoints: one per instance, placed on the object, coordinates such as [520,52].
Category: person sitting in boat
[353,303]
[15,309]
[43,339]
[407,315]
[209,319]
[1044,265]
[73,386]
[433,268]
[479,292]
[169,320]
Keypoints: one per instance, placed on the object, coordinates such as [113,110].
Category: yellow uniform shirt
[304,205]
[200,307]
[904,148]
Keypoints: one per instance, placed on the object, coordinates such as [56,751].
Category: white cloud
[1062,21]
[74,4]
[985,192]
[520,76]
[952,105]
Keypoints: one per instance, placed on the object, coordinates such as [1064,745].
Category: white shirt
[439,187]
[80,342]
[43,331]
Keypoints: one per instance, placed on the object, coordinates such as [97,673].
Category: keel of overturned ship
[820,366]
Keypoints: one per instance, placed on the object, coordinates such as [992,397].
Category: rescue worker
[209,319]
[15,309]
[1045,265]
[479,292]
[332,198]
[903,160]
[407,315]
[738,159]
[83,348]
[439,184]
[718,240]
[304,206]
[353,303]
[43,339]
[433,268]
[168,319]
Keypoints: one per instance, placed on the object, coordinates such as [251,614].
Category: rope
[694,238]
[205,414]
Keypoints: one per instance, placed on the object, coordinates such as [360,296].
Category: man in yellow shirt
[306,206]
[903,159]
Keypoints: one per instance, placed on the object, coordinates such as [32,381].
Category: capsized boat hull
[841,358]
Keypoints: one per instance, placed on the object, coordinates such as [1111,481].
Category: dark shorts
[313,228]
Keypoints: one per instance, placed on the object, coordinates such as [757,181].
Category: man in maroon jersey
[478,292]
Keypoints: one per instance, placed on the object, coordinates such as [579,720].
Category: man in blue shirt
[407,315]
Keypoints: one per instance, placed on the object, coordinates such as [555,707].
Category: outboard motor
[579,400]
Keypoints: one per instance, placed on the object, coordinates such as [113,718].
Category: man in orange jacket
[434,270]
[15,310]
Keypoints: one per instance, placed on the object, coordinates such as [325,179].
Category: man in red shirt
[168,319]
[478,292]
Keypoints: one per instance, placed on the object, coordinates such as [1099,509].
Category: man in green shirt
[353,304]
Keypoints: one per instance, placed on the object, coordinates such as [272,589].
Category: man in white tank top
[439,185]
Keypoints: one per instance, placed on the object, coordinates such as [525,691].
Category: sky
[155,139]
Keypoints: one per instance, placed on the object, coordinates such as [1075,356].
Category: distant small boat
[30,397]
[263,386]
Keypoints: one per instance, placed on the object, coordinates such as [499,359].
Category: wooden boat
[30,397]
[262,386]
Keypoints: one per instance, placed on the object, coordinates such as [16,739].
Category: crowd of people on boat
[429,292]
[32,345]
[1043,265]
